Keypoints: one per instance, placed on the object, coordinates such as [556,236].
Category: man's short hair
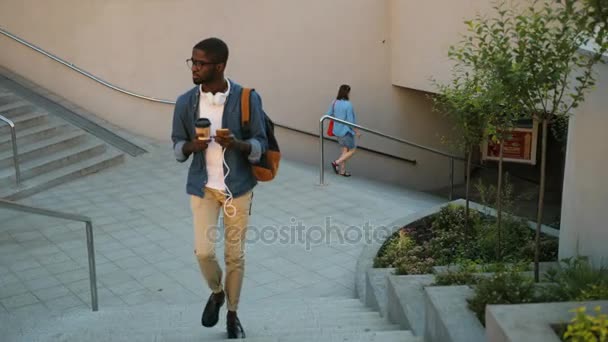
[215,48]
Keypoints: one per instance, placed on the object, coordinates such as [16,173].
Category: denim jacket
[342,109]
[240,180]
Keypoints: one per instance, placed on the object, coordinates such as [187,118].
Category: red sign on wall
[519,147]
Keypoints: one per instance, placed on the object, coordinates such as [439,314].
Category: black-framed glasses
[199,64]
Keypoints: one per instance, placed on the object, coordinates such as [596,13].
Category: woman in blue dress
[342,109]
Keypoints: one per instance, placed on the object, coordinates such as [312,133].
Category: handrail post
[321,150]
[11,125]
[15,156]
[92,272]
[451,179]
[74,217]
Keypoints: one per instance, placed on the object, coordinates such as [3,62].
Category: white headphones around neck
[217,100]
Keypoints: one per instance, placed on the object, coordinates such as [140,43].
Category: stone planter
[376,289]
[448,318]
[531,322]
[405,301]
[440,313]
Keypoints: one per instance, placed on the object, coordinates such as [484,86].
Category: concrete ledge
[405,301]
[531,322]
[376,296]
[448,318]
[544,267]
[366,258]
[489,211]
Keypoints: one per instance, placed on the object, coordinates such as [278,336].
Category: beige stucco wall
[422,33]
[295,53]
[584,222]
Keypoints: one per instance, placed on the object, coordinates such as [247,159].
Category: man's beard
[201,80]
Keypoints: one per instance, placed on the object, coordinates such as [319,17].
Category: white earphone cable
[229,208]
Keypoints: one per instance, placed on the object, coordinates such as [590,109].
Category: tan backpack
[268,166]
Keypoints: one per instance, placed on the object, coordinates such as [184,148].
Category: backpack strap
[246,111]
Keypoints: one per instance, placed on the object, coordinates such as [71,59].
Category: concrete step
[217,335]
[251,329]
[304,317]
[53,161]
[32,134]
[337,302]
[18,108]
[24,121]
[183,314]
[8,104]
[163,320]
[42,147]
[7,98]
[169,318]
[65,174]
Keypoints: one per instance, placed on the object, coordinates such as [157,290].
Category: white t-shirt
[213,155]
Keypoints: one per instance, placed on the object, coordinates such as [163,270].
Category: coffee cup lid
[202,122]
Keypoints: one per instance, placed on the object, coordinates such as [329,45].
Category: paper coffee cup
[203,128]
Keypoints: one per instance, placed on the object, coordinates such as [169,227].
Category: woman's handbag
[330,127]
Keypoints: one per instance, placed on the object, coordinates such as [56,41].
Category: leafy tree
[528,62]
[463,102]
[555,75]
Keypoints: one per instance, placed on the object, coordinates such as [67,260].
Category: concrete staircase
[51,151]
[290,320]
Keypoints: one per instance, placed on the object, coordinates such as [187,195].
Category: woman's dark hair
[343,92]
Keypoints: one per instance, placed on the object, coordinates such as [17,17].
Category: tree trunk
[499,204]
[541,200]
[466,194]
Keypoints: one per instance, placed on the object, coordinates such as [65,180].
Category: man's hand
[195,145]
[227,141]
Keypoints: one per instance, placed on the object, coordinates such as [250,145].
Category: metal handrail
[409,143]
[89,230]
[81,71]
[153,99]
[11,124]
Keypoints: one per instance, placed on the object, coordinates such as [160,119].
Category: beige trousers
[205,212]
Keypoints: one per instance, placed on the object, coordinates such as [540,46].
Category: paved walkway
[143,238]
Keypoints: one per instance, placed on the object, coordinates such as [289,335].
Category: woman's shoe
[336,167]
[345,174]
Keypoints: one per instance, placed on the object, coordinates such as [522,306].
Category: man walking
[220,175]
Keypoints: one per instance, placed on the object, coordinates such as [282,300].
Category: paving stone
[51,293]
[63,303]
[143,238]
[18,301]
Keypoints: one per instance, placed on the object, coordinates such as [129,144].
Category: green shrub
[450,241]
[494,267]
[441,239]
[576,278]
[446,246]
[450,218]
[587,328]
[415,262]
[593,292]
[455,278]
[501,288]
[548,249]
[394,249]
[515,236]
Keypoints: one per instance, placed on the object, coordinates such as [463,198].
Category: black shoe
[233,326]
[212,310]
